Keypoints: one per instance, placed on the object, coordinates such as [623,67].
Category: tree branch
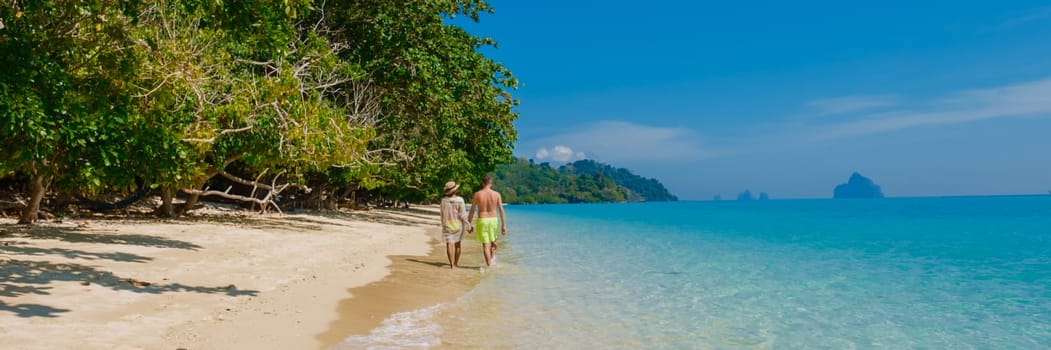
[226,194]
[221,133]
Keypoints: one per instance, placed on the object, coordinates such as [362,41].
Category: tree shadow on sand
[23,250]
[78,236]
[39,273]
[32,310]
[21,277]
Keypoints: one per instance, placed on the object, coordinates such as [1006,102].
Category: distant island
[583,181]
[858,187]
[747,196]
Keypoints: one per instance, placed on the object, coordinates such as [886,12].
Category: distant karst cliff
[858,187]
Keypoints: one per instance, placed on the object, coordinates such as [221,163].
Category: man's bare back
[488,202]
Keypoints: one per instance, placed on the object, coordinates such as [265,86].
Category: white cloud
[848,104]
[542,154]
[1018,100]
[559,153]
[623,142]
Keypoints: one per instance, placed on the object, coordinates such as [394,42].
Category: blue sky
[926,98]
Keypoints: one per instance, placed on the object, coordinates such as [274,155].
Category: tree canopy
[320,97]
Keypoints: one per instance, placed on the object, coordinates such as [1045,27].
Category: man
[488,202]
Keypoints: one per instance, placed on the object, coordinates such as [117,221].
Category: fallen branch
[262,185]
[226,194]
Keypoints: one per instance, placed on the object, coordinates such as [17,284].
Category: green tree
[253,82]
[64,92]
[385,95]
[446,110]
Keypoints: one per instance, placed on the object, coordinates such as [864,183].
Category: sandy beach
[226,280]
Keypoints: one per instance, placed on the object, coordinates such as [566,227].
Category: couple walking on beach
[456,219]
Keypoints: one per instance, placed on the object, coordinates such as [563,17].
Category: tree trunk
[342,197]
[191,197]
[167,210]
[191,201]
[32,210]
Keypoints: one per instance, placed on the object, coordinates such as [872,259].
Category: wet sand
[416,282]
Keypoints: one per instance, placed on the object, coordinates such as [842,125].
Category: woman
[454,221]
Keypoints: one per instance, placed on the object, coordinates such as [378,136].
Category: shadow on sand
[76,236]
[32,310]
[442,264]
[20,277]
[14,249]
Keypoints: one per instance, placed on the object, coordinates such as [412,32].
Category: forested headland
[584,181]
[275,103]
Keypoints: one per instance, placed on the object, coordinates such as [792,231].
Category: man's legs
[492,253]
[487,252]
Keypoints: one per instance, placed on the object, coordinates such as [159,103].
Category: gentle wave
[415,329]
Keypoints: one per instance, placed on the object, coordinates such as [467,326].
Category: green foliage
[378,94]
[65,105]
[642,189]
[245,81]
[446,110]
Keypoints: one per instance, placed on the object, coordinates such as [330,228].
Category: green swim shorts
[487,230]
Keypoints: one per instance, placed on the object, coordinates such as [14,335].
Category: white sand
[289,273]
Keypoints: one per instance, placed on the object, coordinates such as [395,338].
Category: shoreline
[231,280]
[415,282]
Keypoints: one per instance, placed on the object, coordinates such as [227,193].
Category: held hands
[503,230]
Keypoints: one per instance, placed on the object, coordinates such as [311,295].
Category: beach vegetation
[260,102]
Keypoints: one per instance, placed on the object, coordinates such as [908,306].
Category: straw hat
[451,187]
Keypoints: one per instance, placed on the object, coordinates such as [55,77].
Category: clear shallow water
[945,273]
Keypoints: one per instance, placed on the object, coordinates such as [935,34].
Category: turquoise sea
[898,273]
